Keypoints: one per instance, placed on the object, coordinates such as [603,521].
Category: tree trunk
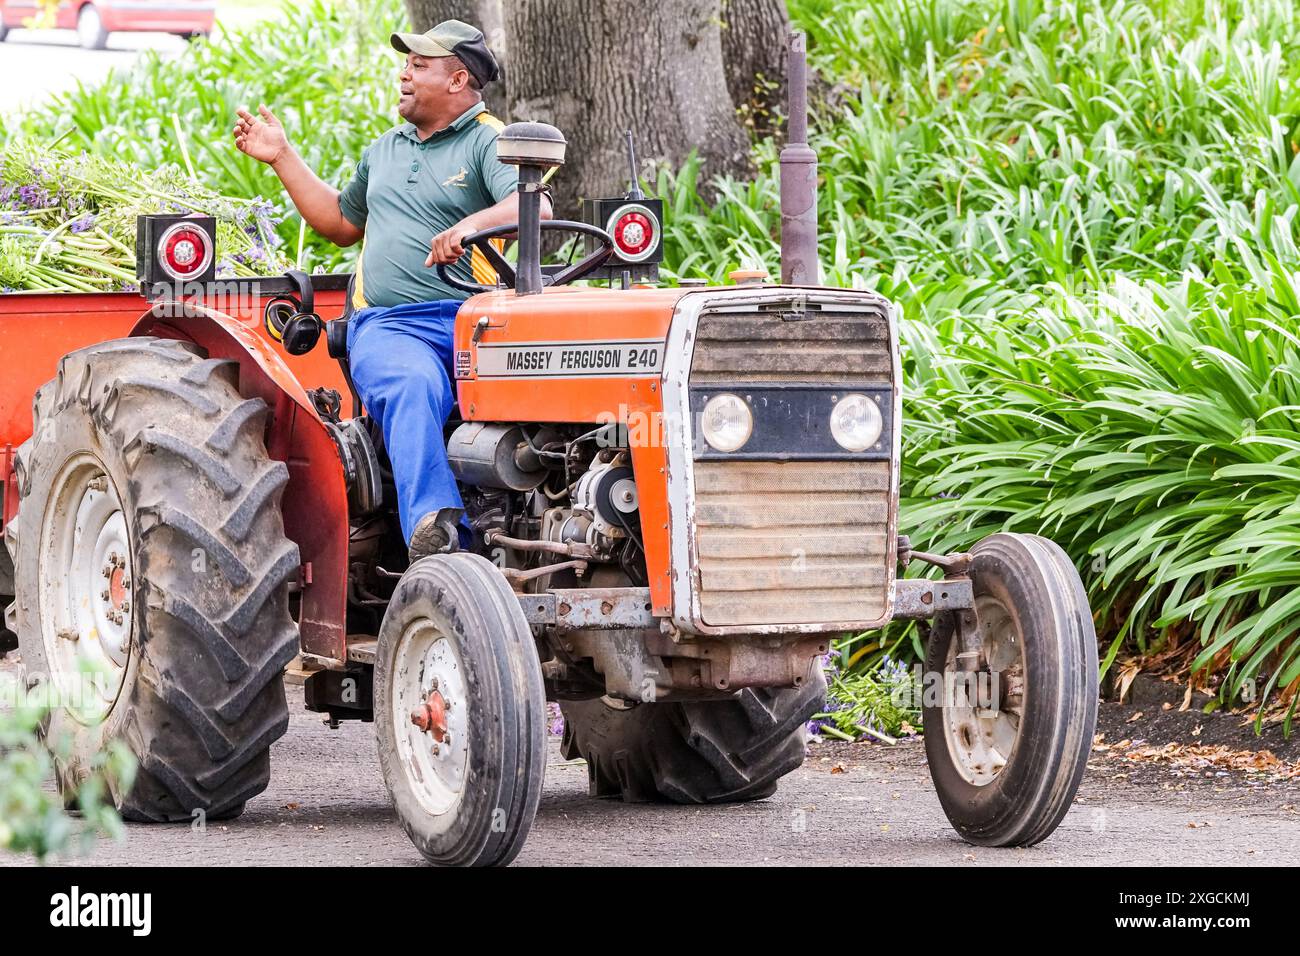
[595,68]
[753,48]
[484,14]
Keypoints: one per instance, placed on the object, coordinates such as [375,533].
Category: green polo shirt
[407,190]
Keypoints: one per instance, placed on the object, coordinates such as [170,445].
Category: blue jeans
[401,358]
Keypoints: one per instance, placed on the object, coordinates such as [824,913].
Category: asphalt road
[849,804]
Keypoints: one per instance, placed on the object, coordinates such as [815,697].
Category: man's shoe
[435,534]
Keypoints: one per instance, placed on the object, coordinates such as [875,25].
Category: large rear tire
[460,711]
[723,751]
[149,545]
[1006,775]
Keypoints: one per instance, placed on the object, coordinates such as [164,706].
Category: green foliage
[1030,142]
[33,818]
[879,702]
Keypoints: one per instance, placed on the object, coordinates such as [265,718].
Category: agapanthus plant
[67,221]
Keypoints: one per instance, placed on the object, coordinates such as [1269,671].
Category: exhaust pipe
[798,176]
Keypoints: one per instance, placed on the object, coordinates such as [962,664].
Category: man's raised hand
[262,138]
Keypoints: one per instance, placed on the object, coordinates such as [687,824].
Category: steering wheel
[479,240]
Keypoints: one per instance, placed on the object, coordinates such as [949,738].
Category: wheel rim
[87,589]
[981,740]
[88,26]
[431,715]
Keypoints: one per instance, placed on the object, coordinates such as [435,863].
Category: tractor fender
[315,502]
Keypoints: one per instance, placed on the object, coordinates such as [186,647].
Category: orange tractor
[679,497]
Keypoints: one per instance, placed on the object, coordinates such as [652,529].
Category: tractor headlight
[726,422]
[856,422]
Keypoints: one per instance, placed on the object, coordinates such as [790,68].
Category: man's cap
[453,38]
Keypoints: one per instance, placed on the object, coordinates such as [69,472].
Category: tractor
[678,497]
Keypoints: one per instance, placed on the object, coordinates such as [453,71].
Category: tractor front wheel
[460,711]
[1008,741]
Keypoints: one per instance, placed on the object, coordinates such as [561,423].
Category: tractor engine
[551,499]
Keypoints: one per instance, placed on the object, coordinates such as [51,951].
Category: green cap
[452,38]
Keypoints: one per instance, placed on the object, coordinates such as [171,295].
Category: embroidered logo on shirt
[458,179]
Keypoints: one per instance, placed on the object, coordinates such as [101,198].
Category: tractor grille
[793,542]
[829,347]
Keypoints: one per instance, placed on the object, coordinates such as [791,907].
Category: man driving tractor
[419,189]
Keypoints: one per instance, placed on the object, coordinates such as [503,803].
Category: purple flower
[29,197]
[555,720]
[85,222]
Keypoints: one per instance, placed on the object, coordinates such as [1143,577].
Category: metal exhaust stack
[798,177]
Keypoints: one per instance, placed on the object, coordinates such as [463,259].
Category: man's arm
[446,248]
[317,201]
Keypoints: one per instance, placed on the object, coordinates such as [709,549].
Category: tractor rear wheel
[153,575]
[724,751]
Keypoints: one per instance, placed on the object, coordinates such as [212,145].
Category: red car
[94,20]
